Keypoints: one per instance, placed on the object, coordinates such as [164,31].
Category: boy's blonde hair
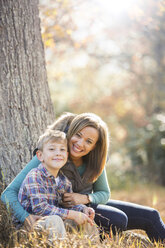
[51,136]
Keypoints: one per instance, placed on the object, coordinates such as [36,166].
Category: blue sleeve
[101,190]
[10,194]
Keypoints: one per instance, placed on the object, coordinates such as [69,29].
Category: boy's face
[53,156]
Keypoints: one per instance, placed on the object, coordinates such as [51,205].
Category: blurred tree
[115,68]
[147,85]
[25,103]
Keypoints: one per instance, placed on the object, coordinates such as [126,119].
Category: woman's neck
[77,161]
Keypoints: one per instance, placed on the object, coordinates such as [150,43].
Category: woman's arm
[10,194]
[100,195]
[101,190]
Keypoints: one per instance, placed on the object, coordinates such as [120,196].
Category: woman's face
[83,142]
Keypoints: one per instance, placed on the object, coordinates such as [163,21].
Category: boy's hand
[79,217]
[30,221]
[90,212]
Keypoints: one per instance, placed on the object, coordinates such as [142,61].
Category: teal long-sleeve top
[100,195]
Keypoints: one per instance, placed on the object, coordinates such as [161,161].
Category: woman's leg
[110,217]
[141,217]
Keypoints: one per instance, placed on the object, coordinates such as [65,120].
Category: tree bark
[25,104]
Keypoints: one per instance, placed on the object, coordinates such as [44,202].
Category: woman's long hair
[95,160]
[63,122]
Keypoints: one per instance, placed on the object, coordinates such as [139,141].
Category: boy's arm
[37,194]
[79,218]
[80,208]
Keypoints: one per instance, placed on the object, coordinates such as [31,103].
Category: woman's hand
[30,221]
[90,212]
[71,199]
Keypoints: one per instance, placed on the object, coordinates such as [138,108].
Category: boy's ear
[39,155]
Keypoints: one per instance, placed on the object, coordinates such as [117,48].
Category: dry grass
[79,240]
[6,227]
[150,196]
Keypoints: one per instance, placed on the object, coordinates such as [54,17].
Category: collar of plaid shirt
[47,173]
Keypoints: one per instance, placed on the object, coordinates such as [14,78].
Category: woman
[88,145]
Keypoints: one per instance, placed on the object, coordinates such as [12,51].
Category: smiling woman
[88,143]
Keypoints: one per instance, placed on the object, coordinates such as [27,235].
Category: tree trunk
[25,105]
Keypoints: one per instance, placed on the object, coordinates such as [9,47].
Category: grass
[149,195]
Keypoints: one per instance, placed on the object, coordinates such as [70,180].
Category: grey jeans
[56,227]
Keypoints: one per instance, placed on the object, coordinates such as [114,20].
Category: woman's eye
[78,135]
[89,142]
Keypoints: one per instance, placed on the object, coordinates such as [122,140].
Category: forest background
[108,57]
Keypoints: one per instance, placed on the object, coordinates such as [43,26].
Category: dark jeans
[121,216]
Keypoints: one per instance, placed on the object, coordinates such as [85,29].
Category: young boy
[42,189]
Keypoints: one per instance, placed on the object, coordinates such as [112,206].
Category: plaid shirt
[41,193]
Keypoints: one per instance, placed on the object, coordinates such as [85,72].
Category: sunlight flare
[116,7]
[154,200]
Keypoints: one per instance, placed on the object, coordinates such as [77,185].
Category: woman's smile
[76,148]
